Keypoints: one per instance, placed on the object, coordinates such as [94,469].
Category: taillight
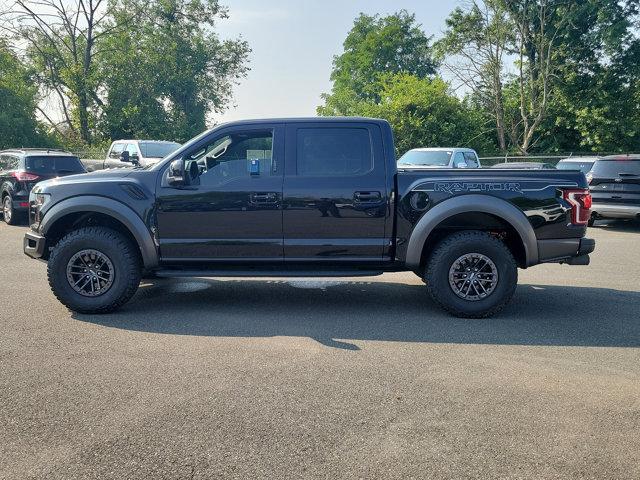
[25,176]
[580,201]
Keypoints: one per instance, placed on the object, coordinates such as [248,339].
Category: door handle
[367,196]
[263,197]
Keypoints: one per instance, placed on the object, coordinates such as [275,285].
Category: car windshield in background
[614,168]
[54,164]
[417,157]
[584,167]
[157,149]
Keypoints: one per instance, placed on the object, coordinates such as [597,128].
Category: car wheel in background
[8,212]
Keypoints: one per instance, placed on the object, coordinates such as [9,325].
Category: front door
[234,210]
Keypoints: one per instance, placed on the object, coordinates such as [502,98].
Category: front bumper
[612,210]
[574,251]
[34,244]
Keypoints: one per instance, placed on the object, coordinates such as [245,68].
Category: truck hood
[97,176]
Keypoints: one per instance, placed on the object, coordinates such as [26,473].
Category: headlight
[40,199]
[36,201]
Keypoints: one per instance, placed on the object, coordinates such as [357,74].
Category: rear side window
[116,150]
[8,162]
[53,164]
[157,149]
[471,159]
[333,152]
[615,168]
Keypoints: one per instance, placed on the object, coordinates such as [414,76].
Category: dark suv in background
[21,169]
[614,182]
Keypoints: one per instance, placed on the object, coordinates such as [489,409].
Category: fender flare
[112,208]
[466,204]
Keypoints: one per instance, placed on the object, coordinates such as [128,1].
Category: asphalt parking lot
[325,379]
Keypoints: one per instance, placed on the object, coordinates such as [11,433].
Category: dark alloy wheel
[94,270]
[7,210]
[471,274]
[90,273]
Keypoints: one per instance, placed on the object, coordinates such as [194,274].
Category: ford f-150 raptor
[304,197]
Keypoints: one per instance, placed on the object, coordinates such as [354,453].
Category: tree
[61,40]
[374,47]
[171,71]
[477,41]
[423,112]
[538,24]
[596,102]
[18,97]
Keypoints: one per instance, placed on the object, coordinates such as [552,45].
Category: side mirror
[175,177]
[135,159]
[124,156]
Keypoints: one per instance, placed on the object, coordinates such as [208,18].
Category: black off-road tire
[591,222]
[445,255]
[120,251]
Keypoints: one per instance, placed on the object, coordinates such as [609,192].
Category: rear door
[616,181]
[335,197]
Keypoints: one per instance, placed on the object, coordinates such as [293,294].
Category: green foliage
[18,100]
[596,103]
[170,72]
[424,113]
[376,46]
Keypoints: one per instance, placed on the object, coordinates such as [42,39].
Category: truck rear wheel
[94,270]
[471,274]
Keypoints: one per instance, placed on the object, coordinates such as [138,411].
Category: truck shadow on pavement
[334,311]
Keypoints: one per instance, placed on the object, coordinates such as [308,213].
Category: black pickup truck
[304,197]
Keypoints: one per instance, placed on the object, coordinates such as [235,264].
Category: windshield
[53,165]
[157,149]
[584,167]
[615,168]
[421,157]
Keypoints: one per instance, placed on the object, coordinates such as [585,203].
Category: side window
[116,150]
[234,156]
[333,152]
[459,160]
[9,162]
[5,162]
[132,149]
[471,159]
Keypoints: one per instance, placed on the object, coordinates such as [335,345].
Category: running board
[266,273]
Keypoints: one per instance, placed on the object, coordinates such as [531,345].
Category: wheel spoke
[90,272]
[473,276]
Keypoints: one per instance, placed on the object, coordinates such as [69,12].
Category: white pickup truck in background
[440,157]
[127,153]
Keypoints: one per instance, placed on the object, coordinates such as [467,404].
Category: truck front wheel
[94,270]
[471,274]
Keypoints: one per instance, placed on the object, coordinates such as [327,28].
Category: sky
[293,43]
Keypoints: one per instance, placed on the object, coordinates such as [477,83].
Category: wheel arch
[66,214]
[427,228]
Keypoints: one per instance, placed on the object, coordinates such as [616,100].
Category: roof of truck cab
[258,121]
[39,152]
[580,159]
[441,149]
[142,140]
